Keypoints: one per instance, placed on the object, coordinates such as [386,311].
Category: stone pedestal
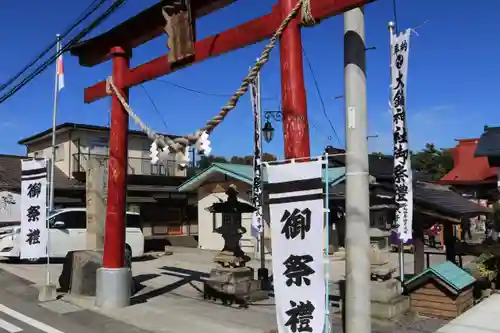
[79,273]
[233,285]
[232,282]
[387,301]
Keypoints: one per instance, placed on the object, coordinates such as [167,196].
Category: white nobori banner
[403,185]
[297,213]
[257,195]
[34,234]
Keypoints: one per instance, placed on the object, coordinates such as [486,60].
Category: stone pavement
[170,296]
[20,312]
[479,319]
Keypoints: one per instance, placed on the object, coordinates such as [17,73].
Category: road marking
[9,327]
[27,320]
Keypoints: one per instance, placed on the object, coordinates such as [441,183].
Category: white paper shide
[33,237]
[403,185]
[297,211]
[257,219]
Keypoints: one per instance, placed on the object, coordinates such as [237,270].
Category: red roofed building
[470,175]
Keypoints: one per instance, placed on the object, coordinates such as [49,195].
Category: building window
[99,146]
[59,153]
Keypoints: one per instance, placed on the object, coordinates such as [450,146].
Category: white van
[68,232]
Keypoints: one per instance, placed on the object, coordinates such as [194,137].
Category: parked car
[67,232]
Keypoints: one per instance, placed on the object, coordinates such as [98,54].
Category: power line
[320,97]
[154,106]
[116,4]
[203,92]
[82,17]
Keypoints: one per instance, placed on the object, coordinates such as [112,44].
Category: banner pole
[327,241]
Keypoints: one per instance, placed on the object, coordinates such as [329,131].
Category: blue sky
[451,79]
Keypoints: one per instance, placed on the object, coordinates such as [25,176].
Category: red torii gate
[117,44]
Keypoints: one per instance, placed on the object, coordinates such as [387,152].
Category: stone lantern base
[233,285]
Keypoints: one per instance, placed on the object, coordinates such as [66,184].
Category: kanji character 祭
[300,316]
[33,213]
[297,270]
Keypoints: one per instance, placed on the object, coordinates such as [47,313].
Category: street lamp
[268,129]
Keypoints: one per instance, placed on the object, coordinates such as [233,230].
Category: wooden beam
[238,37]
[136,31]
[439,216]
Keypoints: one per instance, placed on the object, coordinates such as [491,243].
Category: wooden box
[432,300]
[443,290]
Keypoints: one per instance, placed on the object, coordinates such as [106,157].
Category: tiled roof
[445,272]
[468,167]
[70,126]
[243,173]
[10,174]
[380,167]
[443,199]
[489,143]
[439,197]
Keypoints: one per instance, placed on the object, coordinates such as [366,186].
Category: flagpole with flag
[59,84]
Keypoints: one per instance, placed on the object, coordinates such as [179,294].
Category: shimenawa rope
[179,144]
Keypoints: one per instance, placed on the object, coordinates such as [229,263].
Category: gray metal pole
[54,124]
[357,304]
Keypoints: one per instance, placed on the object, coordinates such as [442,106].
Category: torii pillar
[114,278]
[293,92]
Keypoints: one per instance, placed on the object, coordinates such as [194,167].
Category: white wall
[210,240]
[138,150]
[10,207]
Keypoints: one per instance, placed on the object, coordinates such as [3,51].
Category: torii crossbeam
[117,44]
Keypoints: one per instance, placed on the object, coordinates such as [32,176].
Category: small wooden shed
[443,290]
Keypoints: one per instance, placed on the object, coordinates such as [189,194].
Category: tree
[206,161]
[432,161]
[248,160]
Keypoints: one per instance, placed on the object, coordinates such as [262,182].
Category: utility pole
[357,304]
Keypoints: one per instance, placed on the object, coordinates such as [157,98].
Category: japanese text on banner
[402,165]
[33,242]
[257,219]
[297,210]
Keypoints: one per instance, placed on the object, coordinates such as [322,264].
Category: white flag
[257,195]
[34,233]
[403,184]
[297,213]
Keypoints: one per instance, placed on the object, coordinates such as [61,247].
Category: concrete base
[113,287]
[392,309]
[384,291]
[47,293]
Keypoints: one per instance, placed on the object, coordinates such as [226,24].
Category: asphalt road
[21,312]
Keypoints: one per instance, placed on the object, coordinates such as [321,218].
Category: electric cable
[321,97]
[202,92]
[82,17]
[82,34]
[154,106]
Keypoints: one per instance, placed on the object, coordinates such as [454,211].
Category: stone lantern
[231,281]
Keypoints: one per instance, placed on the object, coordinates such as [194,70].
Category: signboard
[297,211]
[34,232]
